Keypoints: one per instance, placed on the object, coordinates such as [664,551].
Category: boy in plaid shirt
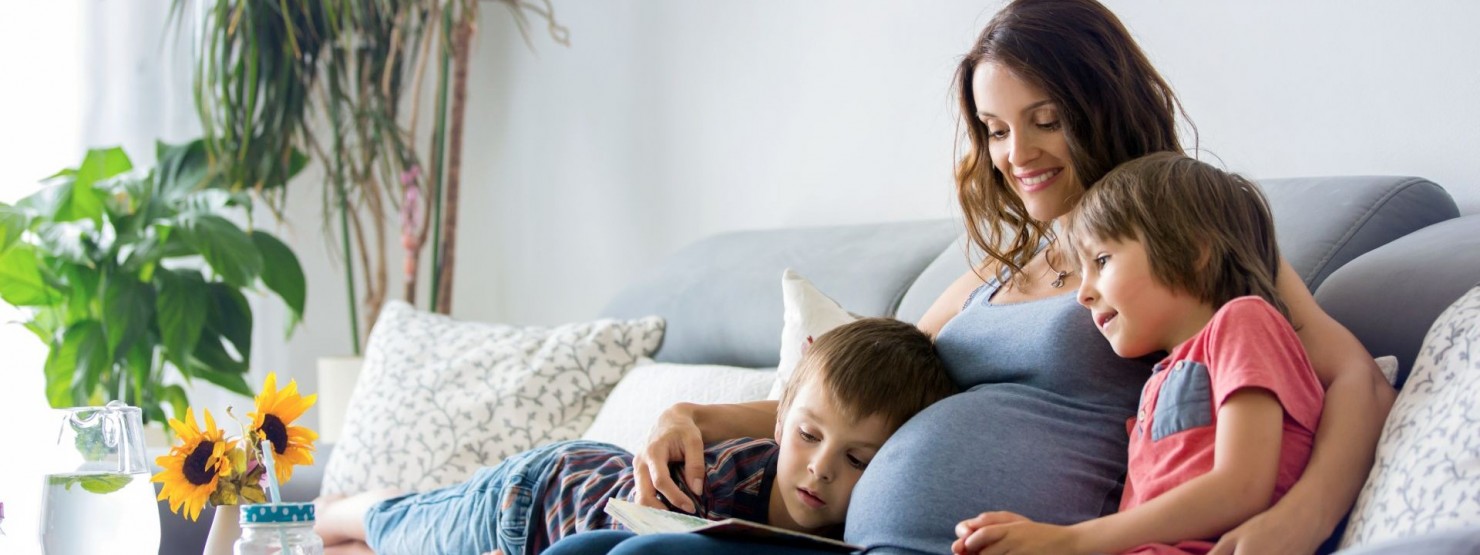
[852,389]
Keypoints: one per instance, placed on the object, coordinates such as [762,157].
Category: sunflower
[193,468]
[276,411]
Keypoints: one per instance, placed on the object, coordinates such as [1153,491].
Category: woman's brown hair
[1113,104]
[1206,232]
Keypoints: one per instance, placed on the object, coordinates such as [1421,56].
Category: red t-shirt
[1246,344]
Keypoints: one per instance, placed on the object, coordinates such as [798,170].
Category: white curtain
[76,74]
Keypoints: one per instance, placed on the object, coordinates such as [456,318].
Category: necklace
[1058,282]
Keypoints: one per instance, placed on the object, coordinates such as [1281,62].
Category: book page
[647,520]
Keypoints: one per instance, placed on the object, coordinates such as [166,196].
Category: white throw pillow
[806,314]
[1427,474]
[652,387]
[438,399]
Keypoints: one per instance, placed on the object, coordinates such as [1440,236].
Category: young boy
[1179,256]
[852,389]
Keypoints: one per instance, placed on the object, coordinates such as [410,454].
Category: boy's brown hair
[1206,232]
[874,366]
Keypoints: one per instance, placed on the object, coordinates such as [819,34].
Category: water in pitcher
[85,511]
[98,498]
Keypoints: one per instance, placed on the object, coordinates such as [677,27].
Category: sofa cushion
[720,299]
[1408,283]
[807,313]
[1427,474]
[438,399]
[650,388]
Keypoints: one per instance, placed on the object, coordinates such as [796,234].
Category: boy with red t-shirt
[1180,257]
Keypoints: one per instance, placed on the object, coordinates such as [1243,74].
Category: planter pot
[225,529]
[337,376]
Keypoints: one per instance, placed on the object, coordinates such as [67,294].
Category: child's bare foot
[341,519]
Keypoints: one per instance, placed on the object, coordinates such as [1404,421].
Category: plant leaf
[13,222]
[82,199]
[79,359]
[225,247]
[20,278]
[234,382]
[103,484]
[180,311]
[96,483]
[181,168]
[210,353]
[103,163]
[230,317]
[127,307]
[175,396]
[73,241]
[282,274]
[83,297]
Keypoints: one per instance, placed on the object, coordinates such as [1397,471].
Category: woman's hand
[676,437]
[1003,532]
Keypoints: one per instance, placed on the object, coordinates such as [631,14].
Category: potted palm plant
[125,273]
[331,78]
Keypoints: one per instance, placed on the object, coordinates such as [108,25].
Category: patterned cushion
[438,399]
[1427,475]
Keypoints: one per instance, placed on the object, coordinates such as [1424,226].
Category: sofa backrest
[722,295]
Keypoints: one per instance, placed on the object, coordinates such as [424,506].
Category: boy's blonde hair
[874,366]
[1206,232]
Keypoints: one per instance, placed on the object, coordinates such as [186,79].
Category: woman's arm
[680,434]
[1357,402]
[1246,460]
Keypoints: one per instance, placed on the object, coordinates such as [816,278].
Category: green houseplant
[124,271]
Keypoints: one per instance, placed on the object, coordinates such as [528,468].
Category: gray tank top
[1040,429]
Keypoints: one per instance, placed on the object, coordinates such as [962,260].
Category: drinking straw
[274,494]
[272,484]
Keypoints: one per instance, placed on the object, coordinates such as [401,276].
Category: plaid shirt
[737,485]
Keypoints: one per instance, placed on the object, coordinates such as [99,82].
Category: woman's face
[1025,137]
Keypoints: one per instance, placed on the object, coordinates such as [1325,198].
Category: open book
[647,520]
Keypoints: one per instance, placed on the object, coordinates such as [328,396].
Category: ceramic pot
[225,529]
[337,377]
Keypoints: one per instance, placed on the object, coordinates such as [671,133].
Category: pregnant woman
[1053,94]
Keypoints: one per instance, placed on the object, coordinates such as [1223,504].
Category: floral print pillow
[438,399]
[1427,475]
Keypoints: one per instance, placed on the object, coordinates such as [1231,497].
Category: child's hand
[1004,532]
[969,526]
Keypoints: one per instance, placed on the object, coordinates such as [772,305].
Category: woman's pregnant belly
[999,447]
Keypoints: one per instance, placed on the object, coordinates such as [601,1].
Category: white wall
[670,120]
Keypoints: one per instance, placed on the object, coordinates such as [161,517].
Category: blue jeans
[622,542]
[489,511]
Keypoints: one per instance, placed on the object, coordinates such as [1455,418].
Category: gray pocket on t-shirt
[1185,400]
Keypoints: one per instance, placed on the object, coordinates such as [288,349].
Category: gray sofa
[1384,255]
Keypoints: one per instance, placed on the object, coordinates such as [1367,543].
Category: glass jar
[278,529]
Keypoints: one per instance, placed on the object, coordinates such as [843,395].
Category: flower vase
[225,529]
